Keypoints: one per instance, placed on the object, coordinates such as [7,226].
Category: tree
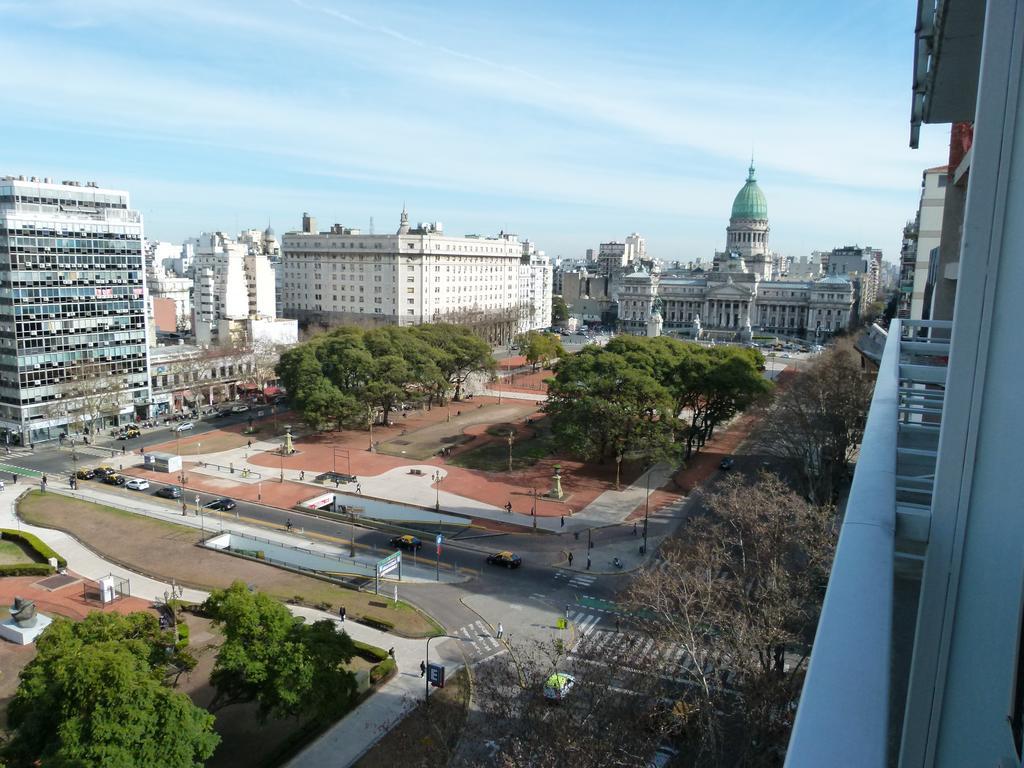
[458,353]
[602,407]
[559,309]
[270,657]
[741,592]
[540,348]
[95,696]
[817,422]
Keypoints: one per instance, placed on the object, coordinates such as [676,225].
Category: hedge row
[382,670]
[369,652]
[377,623]
[26,569]
[35,543]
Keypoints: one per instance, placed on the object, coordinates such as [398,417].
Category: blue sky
[570,122]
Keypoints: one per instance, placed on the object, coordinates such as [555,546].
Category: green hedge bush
[26,569]
[35,543]
[370,652]
[377,623]
[382,670]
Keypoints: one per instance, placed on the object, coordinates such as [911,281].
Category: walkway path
[349,738]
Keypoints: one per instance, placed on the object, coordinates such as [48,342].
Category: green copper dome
[750,202]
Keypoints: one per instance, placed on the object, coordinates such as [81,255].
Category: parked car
[558,685]
[506,558]
[410,543]
[85,474]
[239,408]
[185,426]
[221,414]
[101,472]
[222,504]
[137,484]
[169,492]
[727,463]
[129,433]
[114,479]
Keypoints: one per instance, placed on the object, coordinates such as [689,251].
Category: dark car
[85,474]
[114,480]
[129,434]
[410,543]
[727,463]
[222,414]
[221,505]
[169,492]
[507,559]
[101,472]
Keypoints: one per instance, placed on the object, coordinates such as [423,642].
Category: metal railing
[844,713]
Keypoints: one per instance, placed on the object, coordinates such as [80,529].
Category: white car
[185,427]
[239,408]
[137,484]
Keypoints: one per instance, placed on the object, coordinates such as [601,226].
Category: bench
[416,472]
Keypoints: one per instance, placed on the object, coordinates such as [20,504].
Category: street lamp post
[618,469]
[437,491]
[511,437]
[647,506]
[369,421]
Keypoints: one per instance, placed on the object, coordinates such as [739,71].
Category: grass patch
[493,457]
[12,553]
[167,551]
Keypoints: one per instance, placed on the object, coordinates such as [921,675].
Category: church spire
[403,225]
[750,172]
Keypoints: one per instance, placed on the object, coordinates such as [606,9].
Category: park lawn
[210,442]
[168,551]
[12,553]
[493,456]
[432,735]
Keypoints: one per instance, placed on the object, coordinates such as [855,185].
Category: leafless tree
[816,423]
[740,592]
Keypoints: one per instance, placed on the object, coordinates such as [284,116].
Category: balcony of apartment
[853,697]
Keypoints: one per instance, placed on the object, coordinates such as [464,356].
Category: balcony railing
[844,713]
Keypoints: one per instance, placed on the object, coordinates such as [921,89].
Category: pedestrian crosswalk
[479,637]
[576,579]
[634,652]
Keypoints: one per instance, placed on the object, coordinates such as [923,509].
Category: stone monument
[25,623]
[23,612]
[556,483]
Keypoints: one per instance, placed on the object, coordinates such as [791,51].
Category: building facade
[73,336]
[738,295]
[929,233]
[496,285]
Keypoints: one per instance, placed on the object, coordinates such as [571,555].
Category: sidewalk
[348,739]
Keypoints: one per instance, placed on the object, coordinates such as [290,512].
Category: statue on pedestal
[556,483]
[23,612]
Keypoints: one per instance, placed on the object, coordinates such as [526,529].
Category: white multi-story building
[73,340]
[929,232]
[535,288]
[417,275]
[232,284]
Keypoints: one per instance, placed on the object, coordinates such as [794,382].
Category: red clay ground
[582,483]
[66,601]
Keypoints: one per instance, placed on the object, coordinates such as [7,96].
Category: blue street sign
[435,675]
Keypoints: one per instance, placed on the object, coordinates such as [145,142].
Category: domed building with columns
[738,297]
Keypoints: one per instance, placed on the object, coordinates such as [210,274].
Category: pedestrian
[561,521]
[501,630]
[341,614]
[124,450]
[14,478]
[566,611]
[359,489]
[634,528]
[391,652]
[302,474]
[618,624]
[508,507]
[249,444]
[423,668]
[32,447]
[570,559]
[588,562]
[288,524]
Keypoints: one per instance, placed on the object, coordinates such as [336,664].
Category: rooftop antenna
[371,225]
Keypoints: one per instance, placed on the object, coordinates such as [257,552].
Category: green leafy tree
[458,353]
[540,348]
[601,407]
[559,309]
[95,696]
[270,657]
